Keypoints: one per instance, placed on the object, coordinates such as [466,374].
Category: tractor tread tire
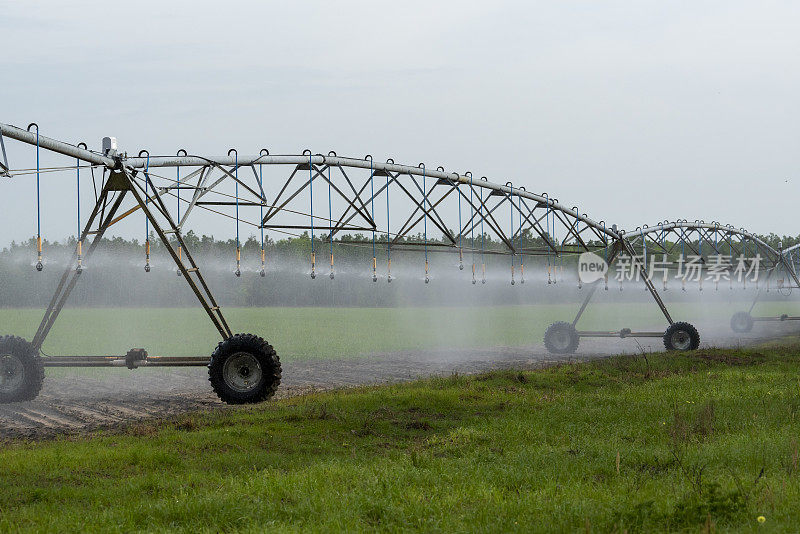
[34,369]
[745,318]
[694,336]
[267,358]
[556,328]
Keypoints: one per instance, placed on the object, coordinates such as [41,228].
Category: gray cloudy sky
[635,111]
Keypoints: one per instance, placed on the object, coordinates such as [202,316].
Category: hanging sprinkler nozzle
[238,271]
[374,269]
[39,264]
[263,272]
[427,278]
[313,266]
[460,259]
[331,275]
[389,271]
[512,275]
[79,268]
[147,256]
[473,274]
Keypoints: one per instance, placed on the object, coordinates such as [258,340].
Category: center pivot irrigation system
[743,321]
[394,205]
[663,249]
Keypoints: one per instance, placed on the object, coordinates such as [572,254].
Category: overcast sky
[635,111]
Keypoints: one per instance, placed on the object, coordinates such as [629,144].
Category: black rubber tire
[741,322]
[268,362]
[561,338]
[678,331]
[27,362]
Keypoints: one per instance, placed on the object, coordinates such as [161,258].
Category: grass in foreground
[698,441]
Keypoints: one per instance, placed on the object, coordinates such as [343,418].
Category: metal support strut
[119,183]
[619,246]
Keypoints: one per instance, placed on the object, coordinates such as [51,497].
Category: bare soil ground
[116,397]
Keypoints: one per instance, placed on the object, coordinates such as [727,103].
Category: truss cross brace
[122,183]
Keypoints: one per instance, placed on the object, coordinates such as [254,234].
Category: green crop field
[300,333]
[704,441]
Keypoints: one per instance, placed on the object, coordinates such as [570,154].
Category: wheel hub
[681,340]
[12,373]
[561,339]
[242,372]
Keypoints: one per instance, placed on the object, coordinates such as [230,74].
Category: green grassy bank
[662,442]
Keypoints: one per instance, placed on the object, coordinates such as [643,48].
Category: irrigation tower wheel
[21,370]
[741,322]
[561,338]
[244,369]
[681,336]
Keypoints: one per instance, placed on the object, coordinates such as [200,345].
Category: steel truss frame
[283,208]
[670,238]
[788,264]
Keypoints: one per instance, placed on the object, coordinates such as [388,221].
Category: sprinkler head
[389,279]
[474,281]
[483,281]
[79,269]
[262,273]
[313,275]
[39,266]
[522,281]
[374,277]
[238,273]
[460,266]
[147,267]
[427,280]
[512,282]
[331,275]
